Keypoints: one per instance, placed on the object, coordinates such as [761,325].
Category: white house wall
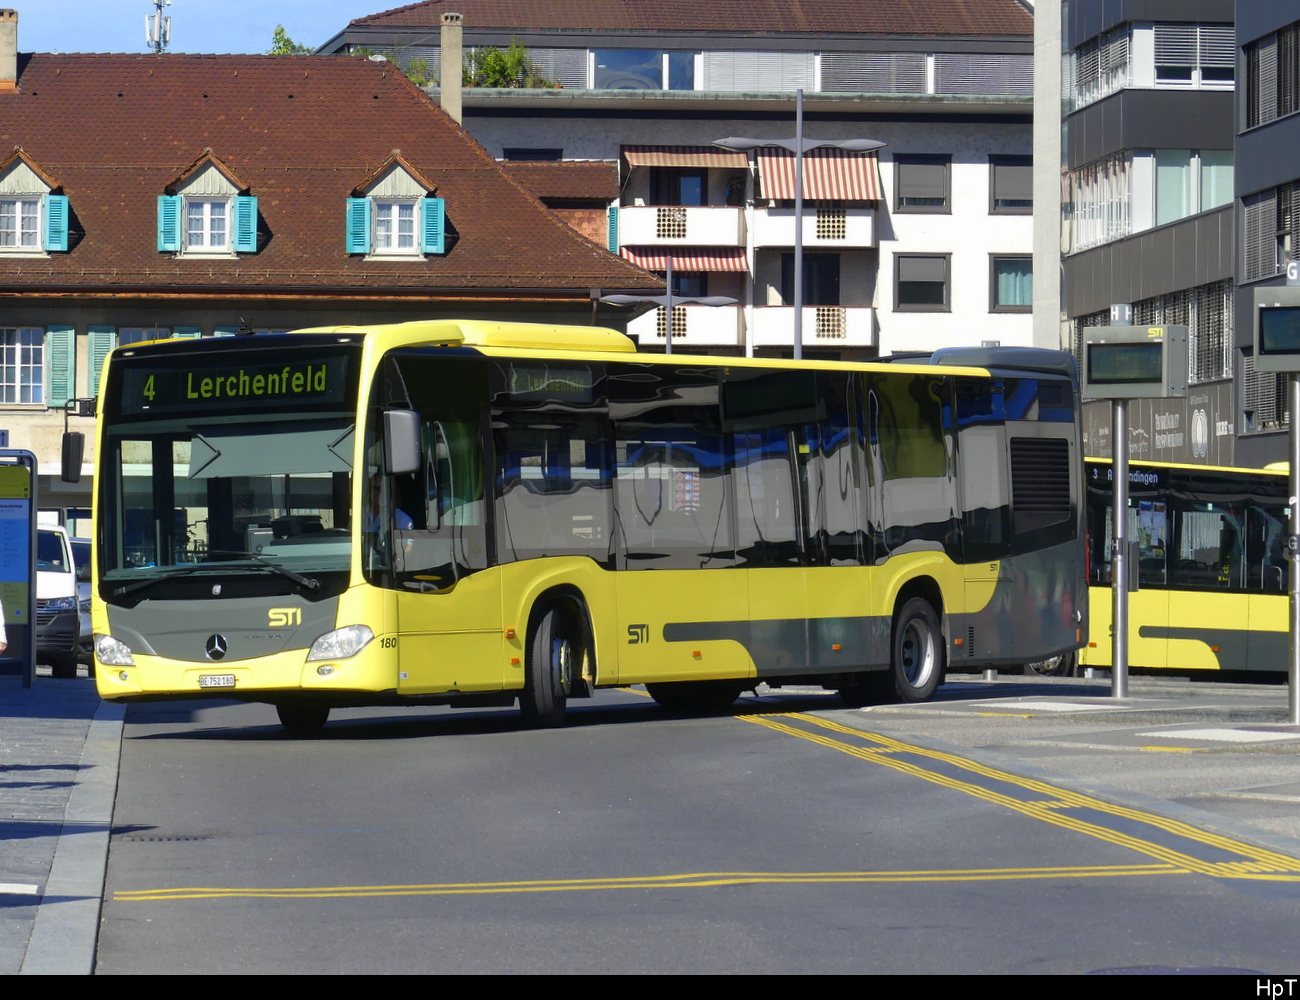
[969,233]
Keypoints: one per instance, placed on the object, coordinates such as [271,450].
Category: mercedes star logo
[216,647]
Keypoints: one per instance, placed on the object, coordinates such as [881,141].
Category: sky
[243,26]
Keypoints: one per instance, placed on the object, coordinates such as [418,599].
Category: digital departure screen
[1126,364]
[1279,330]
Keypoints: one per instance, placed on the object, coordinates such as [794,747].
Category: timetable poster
[15,542]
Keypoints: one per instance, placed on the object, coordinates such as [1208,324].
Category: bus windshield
[203,496]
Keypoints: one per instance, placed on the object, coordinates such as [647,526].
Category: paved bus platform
[1220,756]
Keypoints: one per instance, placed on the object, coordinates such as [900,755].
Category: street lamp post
[799,145]
[667,302]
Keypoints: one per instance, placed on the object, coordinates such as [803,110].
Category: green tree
[283,45]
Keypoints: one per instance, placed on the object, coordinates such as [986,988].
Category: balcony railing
[699,227]
[693,326]
[823,326]
[822,227]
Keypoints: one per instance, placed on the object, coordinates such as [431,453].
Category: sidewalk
[59,749]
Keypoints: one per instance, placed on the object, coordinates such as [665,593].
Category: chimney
[8,50]
[452,65]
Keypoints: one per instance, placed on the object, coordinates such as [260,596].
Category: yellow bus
[470,513]
[1211,565]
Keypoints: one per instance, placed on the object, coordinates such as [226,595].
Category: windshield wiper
[130,588]
[174,571]
[298,578]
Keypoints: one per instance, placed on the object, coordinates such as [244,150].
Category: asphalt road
[790,836]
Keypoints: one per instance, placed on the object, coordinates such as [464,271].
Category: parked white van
[58,619]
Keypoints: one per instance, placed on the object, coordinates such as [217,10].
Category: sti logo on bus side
[280,617]
[638,634]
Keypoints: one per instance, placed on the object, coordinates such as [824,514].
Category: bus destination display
[310,381]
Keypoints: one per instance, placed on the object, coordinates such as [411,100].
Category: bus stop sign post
[1277,349]
[1122,363]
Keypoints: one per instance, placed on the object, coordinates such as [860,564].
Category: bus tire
[695,696]
[1053,666]
[918,651]
[552,645]
[302,718]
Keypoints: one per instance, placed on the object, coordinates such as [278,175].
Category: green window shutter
[433,225]
[612,220]
[186,333]
[102,340]
[61,364]
[358,225]
[245,225]
[169,223]
[56,222]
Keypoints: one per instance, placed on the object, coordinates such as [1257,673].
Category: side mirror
[402,453]
[74,447]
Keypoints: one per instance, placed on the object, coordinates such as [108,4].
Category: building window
[1195,55]
[679,186]
[206,226]
[921,282]
[526,154]
[1011,185]
[643,69]
[1011,287]
[1099,202]
[1270,233]
[407,227]
[394,228]
[922,183]
[22,352]
[20,224]
[1206,311]
[821,279]
[1099,67]
[1273,76]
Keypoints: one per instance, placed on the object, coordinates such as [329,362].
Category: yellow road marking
[699,880]
[886,751]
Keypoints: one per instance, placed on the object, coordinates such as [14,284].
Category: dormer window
[393,216]
[394,230]
[206,213]
[206,226]
[33,220]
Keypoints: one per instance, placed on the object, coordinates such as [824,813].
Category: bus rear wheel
[302,718]
[553,643]
[1053,666]
[918,652]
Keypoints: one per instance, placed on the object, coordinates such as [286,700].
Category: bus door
[683,611]
[1266,580]
[1209,607]
[428,533]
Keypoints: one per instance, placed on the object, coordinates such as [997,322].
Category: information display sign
[1134,362]
[1277,329]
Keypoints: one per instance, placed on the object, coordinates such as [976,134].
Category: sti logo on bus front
[280,617]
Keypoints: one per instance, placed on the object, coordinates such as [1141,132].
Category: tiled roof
[302,133]
[731,17]
[593,179]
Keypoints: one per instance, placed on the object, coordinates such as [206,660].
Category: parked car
[58,619]
[85,641]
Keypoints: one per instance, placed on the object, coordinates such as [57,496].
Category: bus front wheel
[552,645]
[918,658]
[302,718]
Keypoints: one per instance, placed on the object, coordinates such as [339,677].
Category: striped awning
[683,156]
[688,258]
[828,174]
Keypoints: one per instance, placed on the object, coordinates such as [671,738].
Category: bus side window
[1266,566]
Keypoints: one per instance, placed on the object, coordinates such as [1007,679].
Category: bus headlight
[113,652]
[341,643]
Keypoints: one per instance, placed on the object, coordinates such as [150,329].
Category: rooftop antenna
[157,28]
